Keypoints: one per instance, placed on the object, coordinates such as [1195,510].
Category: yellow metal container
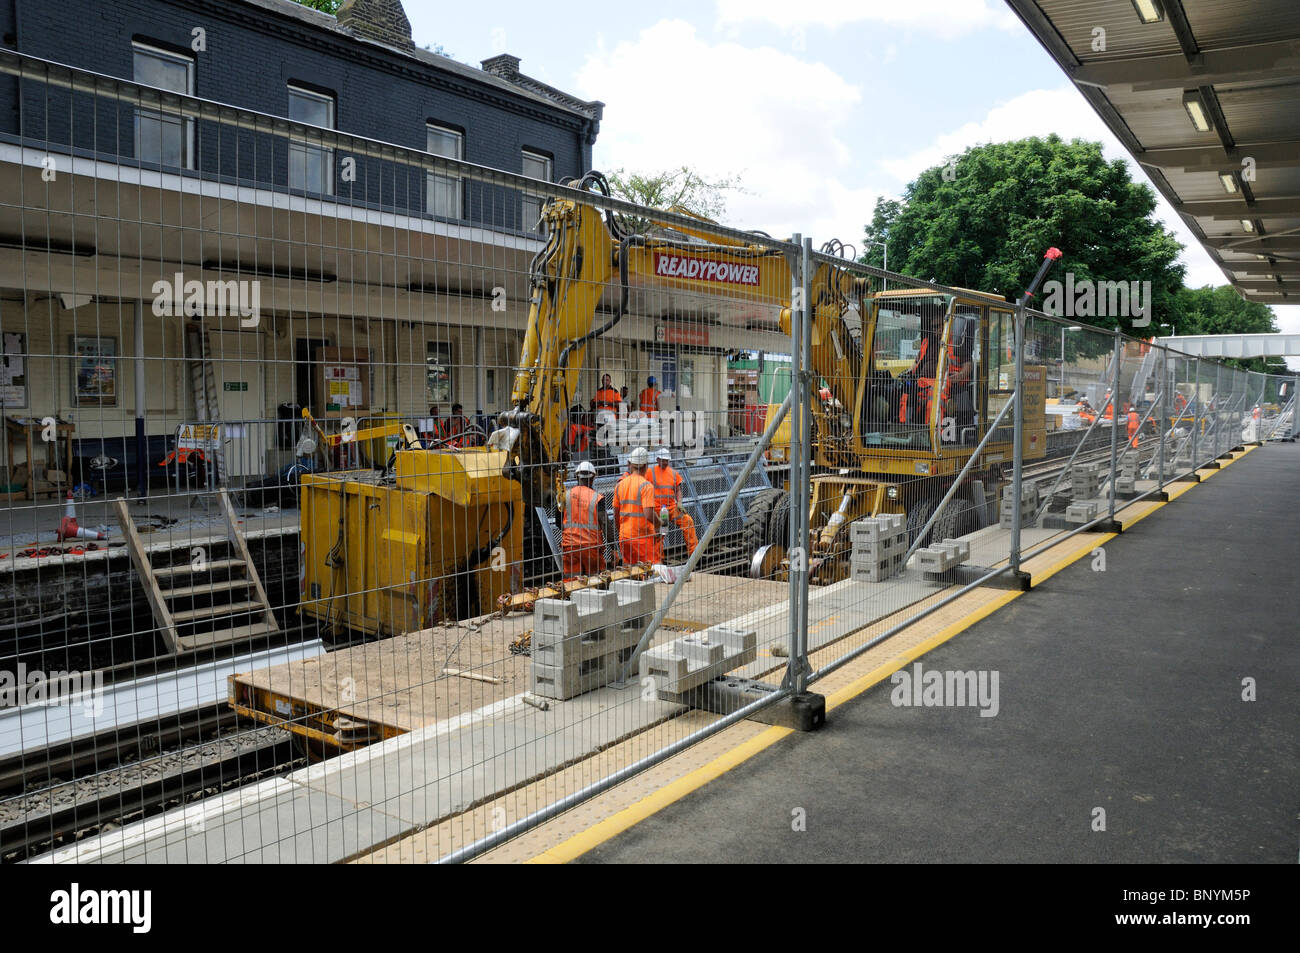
[443,541]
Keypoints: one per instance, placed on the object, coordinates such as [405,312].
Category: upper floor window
[160,136]
[536,166]
[446,192]
[311,167]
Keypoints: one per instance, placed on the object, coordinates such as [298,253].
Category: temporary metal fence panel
[270,383]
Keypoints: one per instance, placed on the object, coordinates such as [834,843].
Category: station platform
[1121,692]
[444,774]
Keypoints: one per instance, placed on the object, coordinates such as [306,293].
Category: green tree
[1220,310]
[682,187]
[332,8]
[983,220]
[324,6]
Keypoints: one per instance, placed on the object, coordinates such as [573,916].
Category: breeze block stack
[1028,504]
[941,557]
[582,644]
[1082,512]
[1085,481]
[879,545]
[688,662]
[1126,482]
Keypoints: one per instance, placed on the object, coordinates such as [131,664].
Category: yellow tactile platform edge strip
[578,844]
[672,780]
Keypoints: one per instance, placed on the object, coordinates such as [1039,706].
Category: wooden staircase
[207,600]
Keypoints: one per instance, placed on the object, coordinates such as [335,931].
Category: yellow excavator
[443,533]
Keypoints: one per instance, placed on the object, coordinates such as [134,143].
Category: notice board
[342,379]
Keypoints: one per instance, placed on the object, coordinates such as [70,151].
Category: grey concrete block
[636,598]
[691,660]
[1080,513]
[550,648]
[873,528]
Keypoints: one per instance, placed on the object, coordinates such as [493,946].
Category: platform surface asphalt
[1120,690]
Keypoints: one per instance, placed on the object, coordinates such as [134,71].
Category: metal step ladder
[203,386]
[204,601]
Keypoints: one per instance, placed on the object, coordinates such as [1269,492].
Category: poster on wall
[94,371]
[13,369]
[343,382]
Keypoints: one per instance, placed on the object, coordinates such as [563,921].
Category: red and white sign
[676,334]
[704,269]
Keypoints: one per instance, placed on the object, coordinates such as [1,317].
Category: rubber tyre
[757,516]
[917,515]
[778,525]
[951,520]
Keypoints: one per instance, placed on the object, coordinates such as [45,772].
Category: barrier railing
[421,583]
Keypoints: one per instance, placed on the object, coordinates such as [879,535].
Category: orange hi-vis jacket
[632,497]
[607,399]
[650,400]
[638,538]
[582,543]
[665,480]
[1133,427]
[581,519]
[924,386]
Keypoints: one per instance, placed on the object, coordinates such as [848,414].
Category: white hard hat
[638,457]
[664,454]
[585,468]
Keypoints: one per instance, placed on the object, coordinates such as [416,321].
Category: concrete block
[1080,513]
[636,599]
[554,681]
[550,648]
[558,616]
[877,527]
[959,548]
[933,560]
[691,660]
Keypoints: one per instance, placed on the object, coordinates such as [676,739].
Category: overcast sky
[819,106]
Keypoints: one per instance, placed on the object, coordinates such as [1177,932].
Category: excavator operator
[918,380]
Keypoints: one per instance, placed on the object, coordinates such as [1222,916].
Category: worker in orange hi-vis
[1132,427]
[606,397]
[634,514]
[586,526]
[649,399]
[668,495]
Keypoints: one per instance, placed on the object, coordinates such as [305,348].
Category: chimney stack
[382,20]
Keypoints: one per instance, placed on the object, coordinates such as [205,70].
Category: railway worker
[606,397]
[634,514]
[578,437]
[1132,427]
[586,526]
[668,494]
[457,426]
[649,399]
[916,406]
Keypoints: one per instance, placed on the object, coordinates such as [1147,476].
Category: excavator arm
[583,254]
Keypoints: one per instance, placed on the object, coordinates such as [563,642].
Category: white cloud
[734,110]
[1063,111]
[944,18]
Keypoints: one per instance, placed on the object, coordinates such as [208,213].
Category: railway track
[215,759]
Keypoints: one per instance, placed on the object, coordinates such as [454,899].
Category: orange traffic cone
[68,528]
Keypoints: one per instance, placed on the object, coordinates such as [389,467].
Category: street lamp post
[884,282]
[1060,378]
